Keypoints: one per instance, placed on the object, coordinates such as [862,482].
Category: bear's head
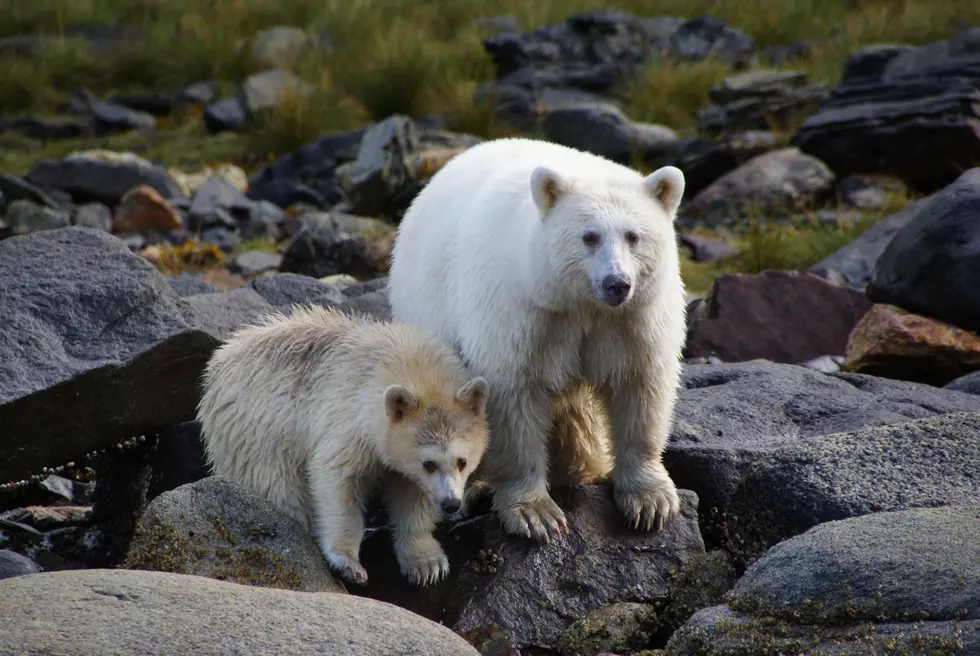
[437,441]
[607,238]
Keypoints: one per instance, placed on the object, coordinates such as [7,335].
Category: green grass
[415,58]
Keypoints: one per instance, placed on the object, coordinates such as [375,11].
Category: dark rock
[14,188]
[701,38]
[622,627]
[179,459]
[154,103]
[869,62]
[13,564]
[760,100]
[922,126]
[96,348]
[373,304]
[98,177]
[969,384]
[604,130]
[264,219]
[225,115]
[904,581]
[93,215]
[225,239]
[25,216]
[217,203]
[189,284]
[932,264]
[379,181]
[531,592]
[251,263]
[228,311]
[366,287]
[284,290]
[704,249]
[702,582]
[782,316]
[703,161]
[108,118]
[143,613]
[323,251]
[284,193]
[222,530]
[781,180]
[729,415]
[47,130]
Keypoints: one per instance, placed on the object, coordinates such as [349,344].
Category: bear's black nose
[449,506]
[616,288]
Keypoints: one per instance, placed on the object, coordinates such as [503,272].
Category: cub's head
[437,442]
[607,238]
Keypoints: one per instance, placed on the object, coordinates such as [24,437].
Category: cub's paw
[651,506]
[425,568]
[539,518]
[347,567]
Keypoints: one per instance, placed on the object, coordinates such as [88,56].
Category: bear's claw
[425,570]
[347,568]
[540,519]
[648,508]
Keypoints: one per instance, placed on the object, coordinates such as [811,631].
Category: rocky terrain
[826,442]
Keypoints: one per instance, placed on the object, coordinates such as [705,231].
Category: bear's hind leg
[420,556]
[579,441]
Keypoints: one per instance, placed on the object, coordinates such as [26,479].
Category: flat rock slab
[907,582]
[532,593]
[95,347]
[150,613]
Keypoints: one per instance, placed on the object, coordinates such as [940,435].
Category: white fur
[490,257]
[313,410]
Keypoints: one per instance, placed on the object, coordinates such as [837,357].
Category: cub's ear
[666,185]
[399,402]
[473,395]
[547,188]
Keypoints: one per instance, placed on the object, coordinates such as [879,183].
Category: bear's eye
[632,238]
[590,238]
[461,464]
[429,466]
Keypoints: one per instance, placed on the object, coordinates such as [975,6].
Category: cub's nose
[449,506]
[616,288]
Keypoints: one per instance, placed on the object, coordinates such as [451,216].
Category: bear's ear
[399,402]
[473,395]
[547,188]
[666,185]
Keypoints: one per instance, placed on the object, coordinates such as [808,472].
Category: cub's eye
[461,464]
[590,238]
[632,238]
[429,466]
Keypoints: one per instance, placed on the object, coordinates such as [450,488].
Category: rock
[701,38]
[932,264]
[320,251]
[47,130]
[230,310]
[372,304]
[190,183]
[784,179]
[252,263]
[904,582]
[703,160]
[920,124]
[143,210]
[745,317]
[870,62]
[339,280]
[265,91]
[730,415]
[95,348]
[189,284]
[25,216]
[970,384]
[220,529]
[533,593]
[912,464]
[217,203]
[379,182]
[13,564]
[202,93]
[147,613]
[93,215]
[101,176]
[604,130]
[827,364]
[869,192]
[760,99]
[491,641]
[14,188]
[108,118]
[225,115]
[155,103]
[701,583]
[281,46]
[622,627]
[179,459]
[892,343]
[704,249]
[284,290]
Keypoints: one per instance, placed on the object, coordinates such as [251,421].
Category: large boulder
[150,613]
[932,264]
[95,347]
[894,582]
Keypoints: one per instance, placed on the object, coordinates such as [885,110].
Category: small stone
[24,216]
[252,263]
[142,209]
[94,215]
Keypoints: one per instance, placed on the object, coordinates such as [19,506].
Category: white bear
[555,274]
[314,409]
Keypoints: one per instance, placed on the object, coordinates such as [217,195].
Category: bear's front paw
[653,505]
[426,568]
[540,519]
[346,567]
